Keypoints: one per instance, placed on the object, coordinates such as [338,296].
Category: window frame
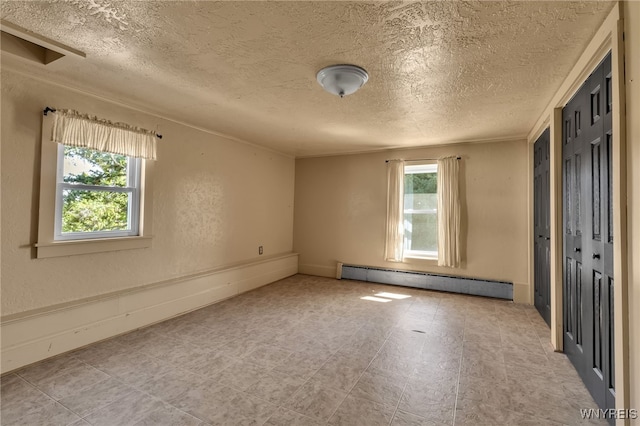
[418,168]
[132,188]
[49,219]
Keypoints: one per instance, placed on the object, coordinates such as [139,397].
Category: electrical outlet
[260,250]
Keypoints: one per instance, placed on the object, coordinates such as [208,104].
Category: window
[421,211]
[91,201]
[97,194]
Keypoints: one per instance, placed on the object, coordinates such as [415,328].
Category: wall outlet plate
[260,250]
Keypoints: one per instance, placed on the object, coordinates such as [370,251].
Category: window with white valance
[72,128]
[95,185]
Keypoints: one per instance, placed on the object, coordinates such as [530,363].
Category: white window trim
[431,167]
[50,246]
[132,188]
[421,168]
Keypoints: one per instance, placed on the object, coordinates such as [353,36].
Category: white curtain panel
[448,213]
[82,130]
[394,247]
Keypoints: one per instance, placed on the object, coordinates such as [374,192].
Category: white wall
[215,201]
[340,212]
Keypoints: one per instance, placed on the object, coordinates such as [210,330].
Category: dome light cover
[342,80]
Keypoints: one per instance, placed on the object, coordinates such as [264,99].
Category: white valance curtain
[448,213]
[76,129]
[394,247]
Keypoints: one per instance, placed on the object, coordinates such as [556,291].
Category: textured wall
[340,211]
[215,201]
[632,52]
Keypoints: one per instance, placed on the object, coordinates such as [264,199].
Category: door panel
[542,231]
[588,234]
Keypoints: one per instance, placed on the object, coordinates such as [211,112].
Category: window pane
[91,167]
[421,232]
[421,183]
[421,202]
[92,211]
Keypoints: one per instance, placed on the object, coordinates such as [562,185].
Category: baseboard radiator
[428,281]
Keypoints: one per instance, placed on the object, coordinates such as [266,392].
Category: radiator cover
[428,281]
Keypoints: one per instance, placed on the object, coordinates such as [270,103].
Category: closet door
[542,233]
[588,245]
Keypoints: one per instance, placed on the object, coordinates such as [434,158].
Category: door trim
[609,37]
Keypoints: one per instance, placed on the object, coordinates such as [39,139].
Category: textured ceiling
[440,72]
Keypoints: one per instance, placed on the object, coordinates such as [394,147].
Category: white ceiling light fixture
[342,80]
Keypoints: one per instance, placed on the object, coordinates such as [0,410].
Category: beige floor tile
[70,381]
[526,358]
[240,375]
[35,373]
[302,365]
[483,367]
[204,400]
[167,415]
[166,348]
[536,402]
[402,418]
[354,411]
[390,366]
[275,387]
[48,414]
[126,410]
[96,397]
[241,409]
[441,414]
[425,389]
[19,398]
[483,350]
[80,422]
[133,368]
[284,417]
[316,401]
[495,392]
[473,412]
[340,373]
[208,364]
[434,400]
[171,385]
[380,389]
[267,356]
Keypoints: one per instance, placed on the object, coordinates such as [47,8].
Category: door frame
[609,37]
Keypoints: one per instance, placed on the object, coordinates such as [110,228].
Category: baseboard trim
[33,337]
[318,270]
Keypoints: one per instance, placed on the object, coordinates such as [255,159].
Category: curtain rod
[423,159]
[49,109]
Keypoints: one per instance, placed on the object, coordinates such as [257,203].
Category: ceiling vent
[31,46]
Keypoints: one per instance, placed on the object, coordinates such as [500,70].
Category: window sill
[421,255]
[77,247]
[422,260]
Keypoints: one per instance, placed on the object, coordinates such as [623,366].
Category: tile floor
[308,351]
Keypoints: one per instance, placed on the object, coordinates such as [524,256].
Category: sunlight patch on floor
[392,295]
[375,299]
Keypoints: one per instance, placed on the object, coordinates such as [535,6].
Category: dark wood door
[588,234]
[541,224]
